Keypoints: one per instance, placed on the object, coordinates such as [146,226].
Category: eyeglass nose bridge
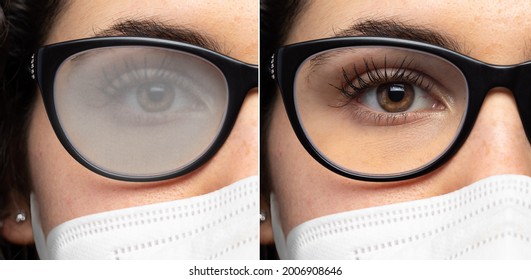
[516,78]
[252,78]
[247,79]
[492,76]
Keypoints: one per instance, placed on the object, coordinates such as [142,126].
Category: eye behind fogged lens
[140,111]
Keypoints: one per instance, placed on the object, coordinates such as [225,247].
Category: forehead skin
[236,32]
[485,28]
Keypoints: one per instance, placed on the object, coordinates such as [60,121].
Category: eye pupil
[396,92]
[156,93]
[155,97]
[395,97]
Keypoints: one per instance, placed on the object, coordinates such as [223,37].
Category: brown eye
[155,97]
[395,97]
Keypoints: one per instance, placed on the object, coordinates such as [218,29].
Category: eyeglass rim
[240,78]
[479,76]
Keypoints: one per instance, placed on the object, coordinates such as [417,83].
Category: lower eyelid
[368,117]
[133,118]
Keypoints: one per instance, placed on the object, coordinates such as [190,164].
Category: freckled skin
[497,144]
[66,190]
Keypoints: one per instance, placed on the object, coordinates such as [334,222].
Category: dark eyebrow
[396,29]
[155,29]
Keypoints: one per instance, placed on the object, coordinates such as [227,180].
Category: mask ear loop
[38,234]
[278,233]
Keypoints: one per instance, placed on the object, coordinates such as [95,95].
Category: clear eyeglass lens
[140,111]
[377,110]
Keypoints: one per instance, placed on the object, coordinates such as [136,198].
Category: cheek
[50,167]
[67,190]
[240,150]
[306,190]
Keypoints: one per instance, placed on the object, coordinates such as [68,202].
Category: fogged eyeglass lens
[140,111]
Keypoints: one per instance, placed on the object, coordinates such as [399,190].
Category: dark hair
[3,106]
[276,19]
[27,25]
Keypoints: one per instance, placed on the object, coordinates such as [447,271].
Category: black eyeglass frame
[240,78]
[480,78]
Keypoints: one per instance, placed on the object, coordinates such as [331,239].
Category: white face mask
[223,224]
[490,219]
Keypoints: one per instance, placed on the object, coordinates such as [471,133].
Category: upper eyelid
[401,70]
[320,59]
[376,76]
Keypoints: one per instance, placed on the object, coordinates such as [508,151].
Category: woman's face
[497,144]
[65,189]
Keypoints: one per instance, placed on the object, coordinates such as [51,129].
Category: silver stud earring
[20,217]
[262,216]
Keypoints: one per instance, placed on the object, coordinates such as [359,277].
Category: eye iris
[156,97]
[394,97]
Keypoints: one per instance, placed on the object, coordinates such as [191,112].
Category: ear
[17,233]
[266,230]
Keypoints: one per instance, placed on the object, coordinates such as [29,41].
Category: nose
[497,143]
[238,157]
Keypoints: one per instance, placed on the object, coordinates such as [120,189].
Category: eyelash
[355,85]
[134,74]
